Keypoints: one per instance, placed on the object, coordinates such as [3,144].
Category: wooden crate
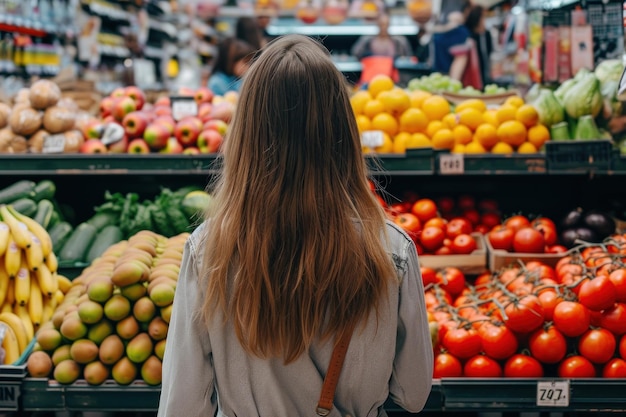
[473,264]
[499,258]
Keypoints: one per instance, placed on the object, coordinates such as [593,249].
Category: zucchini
[54,219]
[59,233]
[78,243]
[25,206]
[21,189]
[106,238]
[44,189]
[102,219]
[45,208]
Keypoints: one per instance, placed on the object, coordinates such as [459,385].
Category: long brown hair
[295,245]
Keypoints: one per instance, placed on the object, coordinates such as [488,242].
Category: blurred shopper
[282,270]
[382,44]
[233,60]
[248,30]
[482,40]
[450,39]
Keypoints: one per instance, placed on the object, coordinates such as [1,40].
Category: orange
[417,97]
[462,134]
[400,141]
[471,118]
[502,148]
[451,120]
[486,135]
[443,139]
[379,83]
[435,107]
[515,101]
[433,127]
[458,148]
[491,117]
[358,101]
[385,122]
[538,135]
[472,103]
[418,140]
[363,123]
[505,113]
[397,102]
[387,146]
[527,147]
[512,132]
[527,114]
[373,107]
[474,147]
[413,121]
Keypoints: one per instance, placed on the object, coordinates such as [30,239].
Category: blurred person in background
[233,60]
[248,30]
[482,38]
[450,39]
[383,44]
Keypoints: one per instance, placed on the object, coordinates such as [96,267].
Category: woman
[233,60]
[295,252]
[248,30]
[450,39]
[482,39]
[382,44]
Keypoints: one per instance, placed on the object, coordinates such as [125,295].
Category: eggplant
[601,223]
[572,219]
[568,237]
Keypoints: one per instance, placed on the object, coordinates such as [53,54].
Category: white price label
[372,138]
[53,144]
[553,393]
[183,107]
[112,133]
[451,163]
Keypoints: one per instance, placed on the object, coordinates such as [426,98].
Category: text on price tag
[53,144]
[9,396]
[553,393]
[451,163]
[183,107]
[112,133]
[372,138]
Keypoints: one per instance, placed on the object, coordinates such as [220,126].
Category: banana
[22,313]
[47,283]
[17,325]
[59,297]
[52,262]
[10,298]
[49,305]
[4,284]
[35,303]
[10,345]
[34,254]
[12,258]
[37,229]
[6,308]
[18,229]
[64,283]
[4,237]
[22,285]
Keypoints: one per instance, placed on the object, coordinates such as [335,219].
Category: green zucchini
[45,209]
[102,219]
[78,244]
[59,233]
[106,238]
[21,189]
[44,189]
[25,206]
[54,219]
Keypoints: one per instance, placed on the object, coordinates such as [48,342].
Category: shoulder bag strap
[325,403]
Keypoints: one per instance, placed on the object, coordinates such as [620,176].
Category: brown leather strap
[327,395]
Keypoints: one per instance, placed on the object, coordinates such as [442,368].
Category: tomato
[615,368]
[483,279]
[524,314]
[458,226]
[528,240]
[498,341]
[444,250]
[472,216]
[522,366]
[481,366]
[409,222]
[571,318]
[549,233]
[622,347]
[597,345]
[399,208]
[556,249]
[547,345]
[432,238]
[452,280]
[597,294]
[447,366]
[544,221]
[424,209]
[576,367]
[501,237]
[517,222]
[482,229]
[436,222]
[445,204]
[462,342]
[548,300]
[488,205]
[614,319]
[490,219]
[464,244]
[429,275]
[618,278]
[466,202]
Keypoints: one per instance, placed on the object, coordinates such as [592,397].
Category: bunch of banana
[30,288]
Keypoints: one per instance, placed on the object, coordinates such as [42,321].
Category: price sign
[112,133]
[53,144]
[9,396]
[451,164]
[372,138]
[553,393]
[183,107]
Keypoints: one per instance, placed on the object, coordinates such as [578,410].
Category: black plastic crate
[579,155]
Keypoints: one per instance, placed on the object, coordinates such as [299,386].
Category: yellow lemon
[474,147]
[502,148]
[472,103]
[462,134]
[363,123]
[417,97]
[458,148]
[387,146]
[538,135]
[435,107]
[413,120]
[385,122]
[373,107]
[471,118]
[443,139]
[491,117]
[527,114]
[433,127]
[512,132]
[380,83]
[358,101]
[486,135]
[418,140]
[400,141]
[515,101]
[505,113]
[451,120]
[527,147]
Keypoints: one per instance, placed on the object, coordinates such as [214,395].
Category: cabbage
[584,97]
[548,107]
[587,129]
[609,70]
[559,93]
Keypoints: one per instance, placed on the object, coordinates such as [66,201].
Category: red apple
[203,95]
[187,131]
[167,121]
[186,92]
[216,124]
[204,111]
[120,146]
[136,94]
[192,150]
[134,124]
[162,110]
[138,146]
[163,101]
[172,147]
[223,111]
[92,128]
[106,106]
[118,92]
[109,119]
[209,141]
[122,107]
[156,136]
[93,146]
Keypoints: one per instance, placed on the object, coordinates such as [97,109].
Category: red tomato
[614,319]
[522,366]
[458,226]
[466,202]
[472,215]
[549,299]
[462,343]
[501,237]
[498,341]
[399,208]
[615,368]
[547,345]
[556,249]
[490,219]
[571,318]
[447,366]
[445,204]
[597,345]
[524,314]
[464,244]
[528,240]
[544,221]
[488,205]
[429,275]
[517,222]
[618,278]
[549,233]
[481,366]
[432,238]
[436,222]
[482,229]
[444,250]
[409,222]
[576,367]
[597,294]
[424,209]
[452,280]
[622,347]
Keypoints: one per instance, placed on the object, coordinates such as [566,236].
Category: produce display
[438,83]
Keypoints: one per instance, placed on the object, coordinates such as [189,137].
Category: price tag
[451,164]
[9,396]
[183,107]
[372,138]
[112,133]
[553,393]
[53,144]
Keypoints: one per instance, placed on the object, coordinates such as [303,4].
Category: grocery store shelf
[488,164]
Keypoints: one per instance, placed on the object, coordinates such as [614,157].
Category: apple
[92,128]
[167,121]
[136,94]
[231,96]
[122,107]
[192,150]
[138,146]
[172,147]
[186,92]
[163,101]
[135,124]
[203,95]
[156,136]
[216,124]
[209,141]
[118,92]
[120,146]
[162,111]
[204,111]
[187,131]
[106,106]
[109,119]
[223,111]
[93,146]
